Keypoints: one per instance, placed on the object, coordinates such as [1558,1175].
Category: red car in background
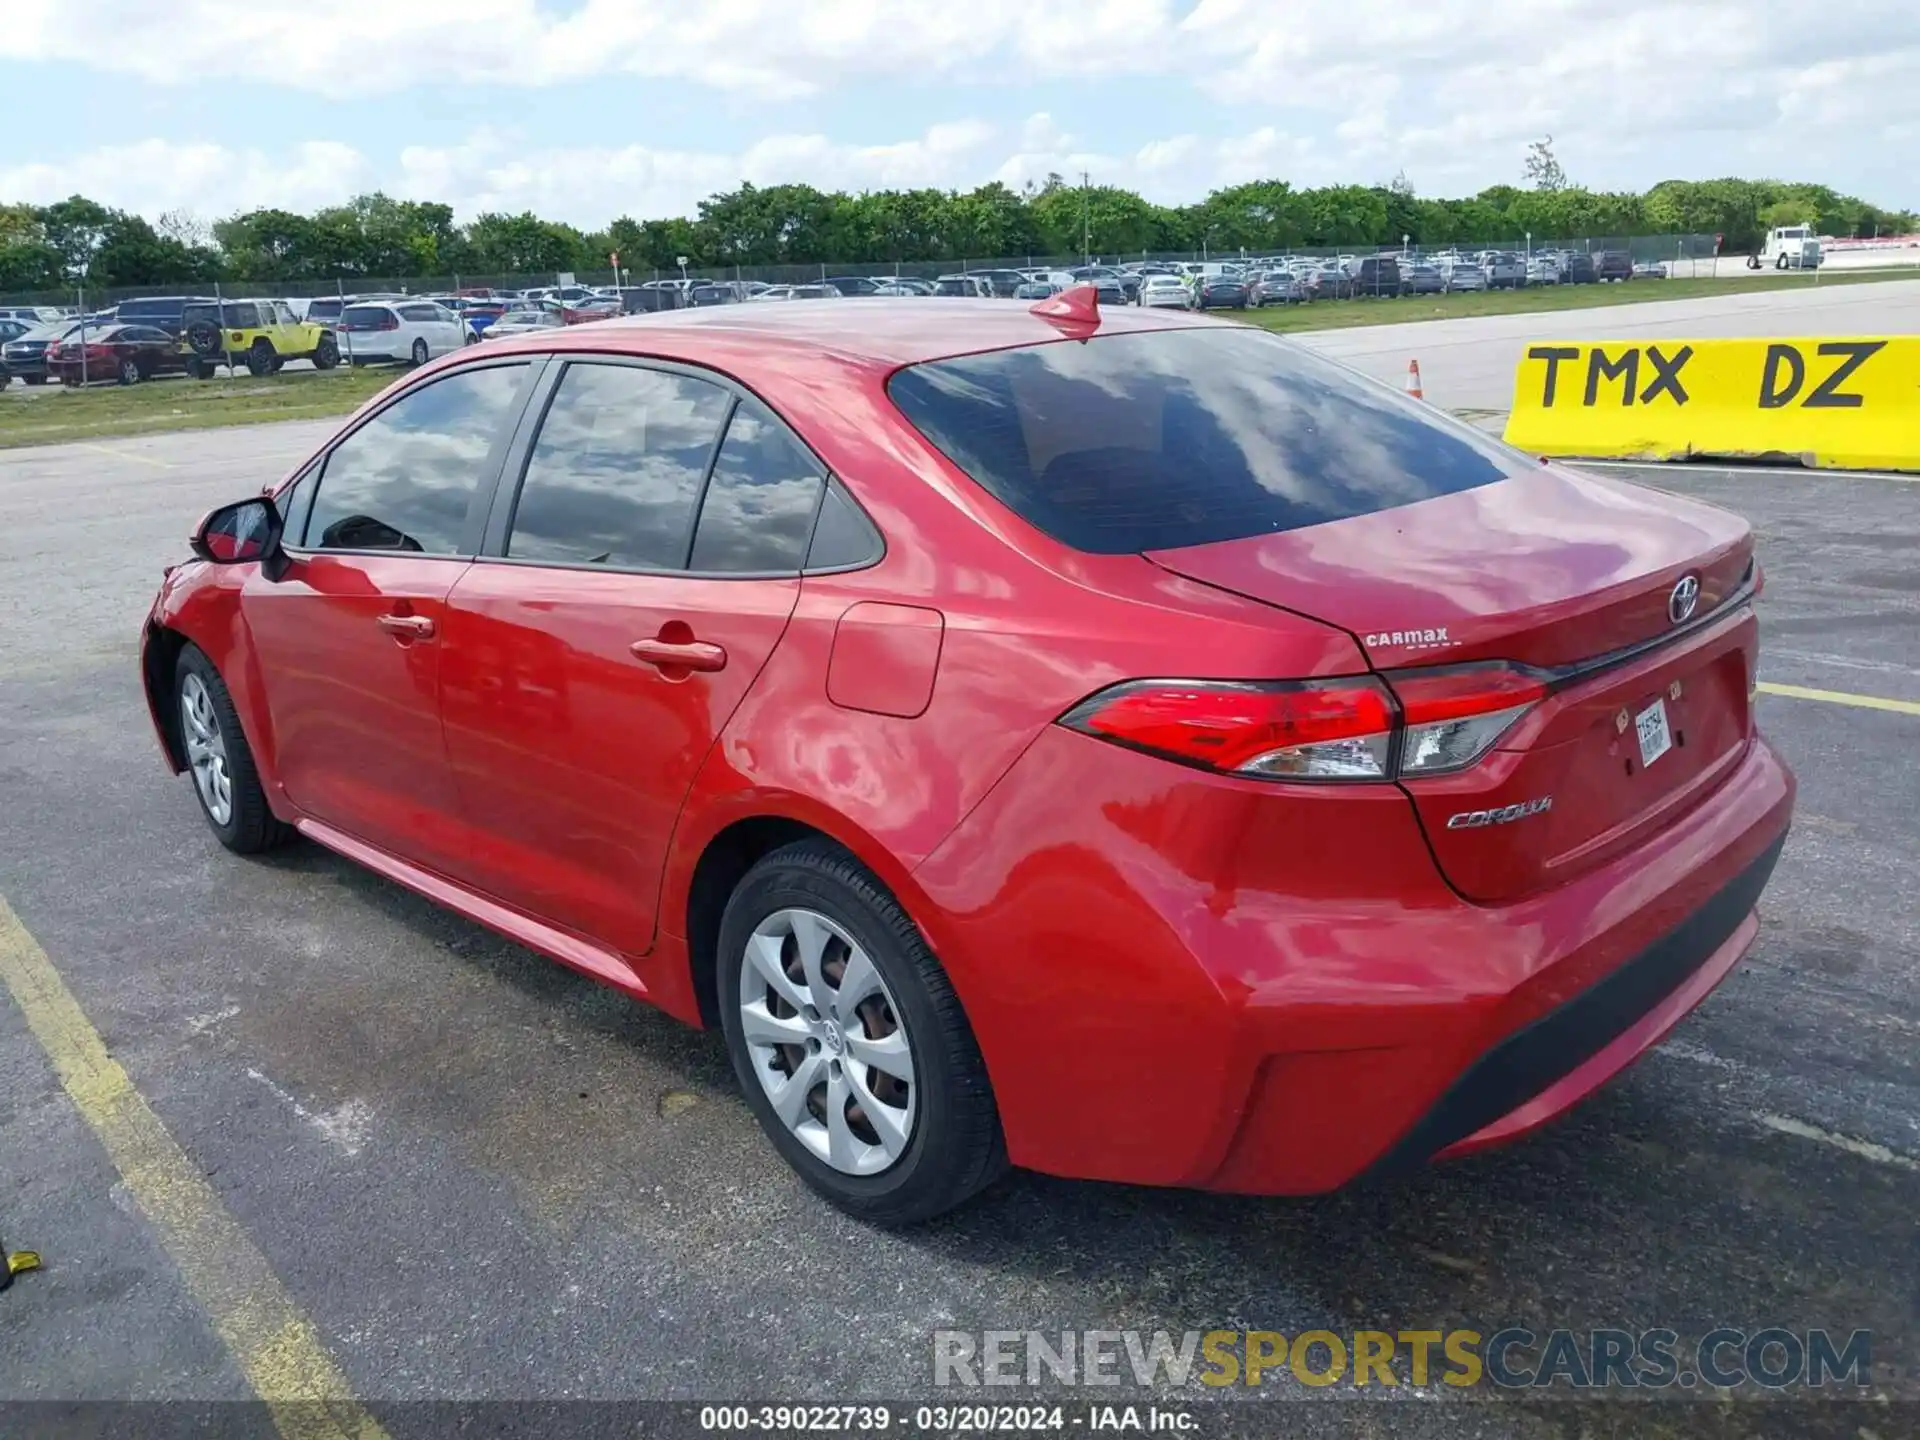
[1110,742]
[126,354]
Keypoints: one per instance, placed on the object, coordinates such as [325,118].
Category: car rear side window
[615,473]
[1154,441]
[407,478]
[760,500]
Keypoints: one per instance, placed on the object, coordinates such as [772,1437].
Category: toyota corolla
[1113,743]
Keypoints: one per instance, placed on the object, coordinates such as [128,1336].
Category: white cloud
[151,176]
[1448,90]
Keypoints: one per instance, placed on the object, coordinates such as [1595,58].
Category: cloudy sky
[585,109]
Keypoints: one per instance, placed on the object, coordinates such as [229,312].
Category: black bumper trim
[1559,1042]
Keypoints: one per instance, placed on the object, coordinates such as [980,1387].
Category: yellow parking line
[274,1343]
[1842,697]
[123,454]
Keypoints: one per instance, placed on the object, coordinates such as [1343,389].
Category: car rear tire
[33,379]
[129,371]
[326,354]
[261,361]
[420,353]
[885,1033]
[226,781]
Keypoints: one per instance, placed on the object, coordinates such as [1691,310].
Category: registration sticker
[1655,738]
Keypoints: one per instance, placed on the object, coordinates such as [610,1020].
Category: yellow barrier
[1852,402]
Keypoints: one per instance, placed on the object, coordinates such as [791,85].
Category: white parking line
[1865,1149]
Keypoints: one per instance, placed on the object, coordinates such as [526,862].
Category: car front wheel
[261,360]
[849,1042]
[226,781]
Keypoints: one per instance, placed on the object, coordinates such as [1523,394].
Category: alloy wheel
[827,1042]
[206,749]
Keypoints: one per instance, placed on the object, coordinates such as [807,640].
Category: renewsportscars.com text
[1773,1358]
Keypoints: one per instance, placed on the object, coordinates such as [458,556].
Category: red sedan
[126,354]
[1116,743]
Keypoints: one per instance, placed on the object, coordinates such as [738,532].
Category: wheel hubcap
[206,749]
[826,1042]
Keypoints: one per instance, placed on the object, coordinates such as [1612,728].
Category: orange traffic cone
[1413,380]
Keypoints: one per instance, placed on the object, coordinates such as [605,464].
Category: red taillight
[1453,716]
[1306,730]
[1429,722]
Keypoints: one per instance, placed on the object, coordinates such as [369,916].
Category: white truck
[1788,247]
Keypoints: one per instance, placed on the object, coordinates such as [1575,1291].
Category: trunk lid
[1574,576]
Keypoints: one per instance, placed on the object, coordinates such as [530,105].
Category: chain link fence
[1684,256]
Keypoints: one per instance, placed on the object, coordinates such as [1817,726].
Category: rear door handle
[690,655]
[406,627]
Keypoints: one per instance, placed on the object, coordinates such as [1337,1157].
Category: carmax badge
[1505,815]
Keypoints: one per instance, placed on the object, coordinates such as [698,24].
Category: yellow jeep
[260,334]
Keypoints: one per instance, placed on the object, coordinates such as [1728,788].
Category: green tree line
[48,247]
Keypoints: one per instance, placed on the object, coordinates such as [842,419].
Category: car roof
[752,339]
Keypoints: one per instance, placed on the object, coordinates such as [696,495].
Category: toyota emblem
[1685,596]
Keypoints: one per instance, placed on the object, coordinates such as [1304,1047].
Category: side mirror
[234,534]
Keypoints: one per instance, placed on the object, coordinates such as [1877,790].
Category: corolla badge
[1681,602]
[1505,815]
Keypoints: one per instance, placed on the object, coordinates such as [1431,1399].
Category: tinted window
[759,507]
[367,317]
[842,536]
[420,312]
[616,470]
[1185,437]
[148,309]
[405,479]
[324,310]
[242,317]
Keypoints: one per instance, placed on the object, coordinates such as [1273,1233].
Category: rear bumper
[1175,980]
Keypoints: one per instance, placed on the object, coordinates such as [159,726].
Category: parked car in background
[1330,282]
[25,356]
[1105,276]
[969,286]
[1278,287]
[1543,270]
[1165,292]
[852,285]
[32,315]
[808,292]
[10,330]
[125,354]
[1613,265]
[406,332]
[259,334]
[1458,272]
[1033,290]
[1650,270]
[1418,277]
[1376,275]
[718,292]
[1221,292]
[1504,269]
[911,284]
[523,321]
[1576,268]
[1001,282]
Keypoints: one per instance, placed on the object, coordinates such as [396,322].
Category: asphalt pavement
[481,1176]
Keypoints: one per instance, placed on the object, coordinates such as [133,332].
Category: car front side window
[407,479]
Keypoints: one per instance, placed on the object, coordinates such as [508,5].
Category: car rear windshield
[366,316]
[1186,437]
